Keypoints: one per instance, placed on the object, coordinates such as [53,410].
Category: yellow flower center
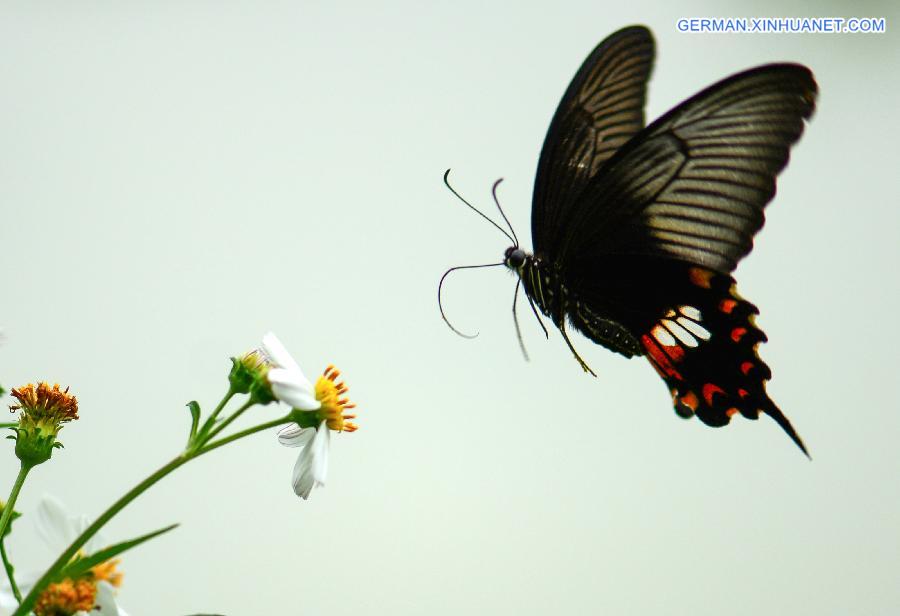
[66,598]
[330,394]
[108,573]
[70,596]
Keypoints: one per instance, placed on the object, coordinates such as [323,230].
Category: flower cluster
[93,592]
[83,578]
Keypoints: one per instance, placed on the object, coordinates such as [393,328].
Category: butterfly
[637,229]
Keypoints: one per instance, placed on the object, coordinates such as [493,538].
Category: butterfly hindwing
[705,349]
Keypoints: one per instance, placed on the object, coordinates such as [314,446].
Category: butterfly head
[514,258]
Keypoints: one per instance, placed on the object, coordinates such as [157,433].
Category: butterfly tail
[775,413]
[705,349]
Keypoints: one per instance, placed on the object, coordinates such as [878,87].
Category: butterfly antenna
[537,316]
[502,213]
[440,303]
[475,209]
[516,321]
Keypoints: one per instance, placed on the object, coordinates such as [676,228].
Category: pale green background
[178,178]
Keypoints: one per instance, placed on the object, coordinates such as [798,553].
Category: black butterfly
[636,230]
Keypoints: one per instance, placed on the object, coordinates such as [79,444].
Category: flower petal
[302,479]
[291,387]
[278,354]
[54,524]
[106,600]
[26,581]
[295,436]
[320,453]
[95,543]
[8,601]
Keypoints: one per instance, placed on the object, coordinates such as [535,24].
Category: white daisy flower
[92,595]
[325,403]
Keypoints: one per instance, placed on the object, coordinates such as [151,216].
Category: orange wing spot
[709,390]
[659,359]
[737,333]
[727,305]
[743,393]
[675,352]
[690,400]
[732,411]
[746,367]
[700,277]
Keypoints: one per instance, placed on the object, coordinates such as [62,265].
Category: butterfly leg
[584,366]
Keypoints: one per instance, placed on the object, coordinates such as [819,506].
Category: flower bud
[44,411]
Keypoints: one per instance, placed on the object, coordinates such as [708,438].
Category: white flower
[312,463]
[325,403]
[59,529]
[286,378]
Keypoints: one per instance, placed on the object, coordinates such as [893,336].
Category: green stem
[120,504]
[13,495]
[227,421]
[91,530]
[9,572]
[237,435]
[211,420]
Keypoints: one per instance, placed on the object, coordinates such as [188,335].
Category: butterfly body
[546,286]
[637,229]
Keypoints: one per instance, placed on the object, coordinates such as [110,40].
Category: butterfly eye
[515,257]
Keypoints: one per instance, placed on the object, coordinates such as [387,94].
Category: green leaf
[15,514]
[79,566]
[195,417]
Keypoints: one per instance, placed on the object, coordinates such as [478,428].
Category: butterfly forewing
[692,186]
[601,110]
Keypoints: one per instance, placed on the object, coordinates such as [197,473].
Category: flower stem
[227,421]
[91,530]
[211,420]
[9,572]
[29,601]
[237,435]
[13,495]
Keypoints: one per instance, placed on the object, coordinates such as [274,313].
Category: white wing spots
[688,311]
[663,337]
[681,328]
[695,328]
[686,338]
[691,321]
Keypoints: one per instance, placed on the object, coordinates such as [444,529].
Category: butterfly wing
[692,186]
[653,237]
[705,349]
[600,111]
